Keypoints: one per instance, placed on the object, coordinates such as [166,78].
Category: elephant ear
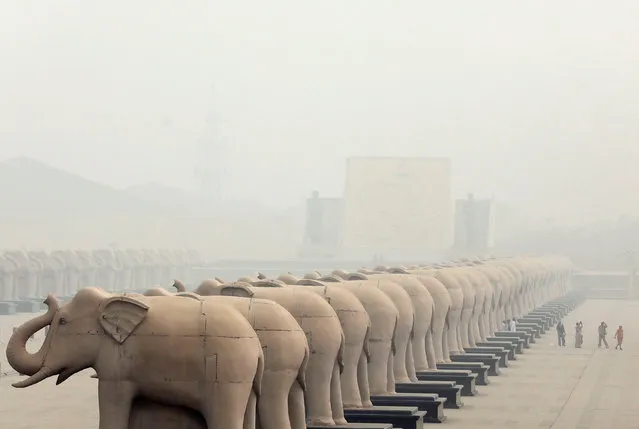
[121,315]
[308,282]
[267,283]
[237,289]
[356,276]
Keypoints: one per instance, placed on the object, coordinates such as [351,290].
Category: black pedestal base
[433,405]
[445,389]
[485,359]
[398,417]
[475,367]
[466,379]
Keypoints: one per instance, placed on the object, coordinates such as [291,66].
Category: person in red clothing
[619,337]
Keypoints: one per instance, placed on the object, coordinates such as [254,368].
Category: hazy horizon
[534,103]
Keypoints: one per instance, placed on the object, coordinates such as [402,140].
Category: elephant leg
[362,381]
[296,408]
[115,399]
[273,405]
[318,391]
[445,349]
[226,404]
[464,331]
[453,326]
[336,397]
[399,361]
[477,330]
[410,363]
[431,356]
[250,414]
[417,354]
[350,387]
[378,367]
[390,374]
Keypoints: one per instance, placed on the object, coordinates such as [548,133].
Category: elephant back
[377,304]
[299,302]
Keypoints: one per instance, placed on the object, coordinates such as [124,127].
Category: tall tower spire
[210,165]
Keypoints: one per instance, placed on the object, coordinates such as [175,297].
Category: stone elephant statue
[50,273]
[286,354]
[383,316]
[8,289]
[403,365]
[124,277]
[441,311]
[325,340]
[494,322]
[139,270]
[71,272]
[448,278]
[108,267]
[26,274]
[421,342]
[155,267]
[356,327]
[157,348]
[89,267]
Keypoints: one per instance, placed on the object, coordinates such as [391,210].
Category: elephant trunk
[43,373]
[179,286]
[17,355]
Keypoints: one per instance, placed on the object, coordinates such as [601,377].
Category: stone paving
[547,387]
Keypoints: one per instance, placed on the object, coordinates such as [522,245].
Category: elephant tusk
[44,373]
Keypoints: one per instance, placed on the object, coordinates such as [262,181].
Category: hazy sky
[535,101]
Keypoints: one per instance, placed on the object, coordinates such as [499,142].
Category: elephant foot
[322,421]
[341,422]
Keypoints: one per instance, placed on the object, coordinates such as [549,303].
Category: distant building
[474,225]
[322,231]
[397,208]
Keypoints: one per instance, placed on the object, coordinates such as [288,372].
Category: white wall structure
[397,207]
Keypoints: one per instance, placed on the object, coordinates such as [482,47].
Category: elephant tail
[367,337]
[447,320]
[257,381]
[301,374]
[393,345]
[432,320]
[340,352]
[412,329]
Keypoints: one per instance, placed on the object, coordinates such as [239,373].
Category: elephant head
[288,278]
[209,287]
[76,334]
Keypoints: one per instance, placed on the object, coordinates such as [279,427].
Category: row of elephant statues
[285,352]
[29,274]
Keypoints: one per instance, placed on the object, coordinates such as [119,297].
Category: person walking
[579,336]
[513,325]
[561,334]
[603,331]
[619,337]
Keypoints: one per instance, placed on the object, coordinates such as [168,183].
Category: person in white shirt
[513,325]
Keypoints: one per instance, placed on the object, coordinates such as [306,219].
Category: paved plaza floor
[547,387]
